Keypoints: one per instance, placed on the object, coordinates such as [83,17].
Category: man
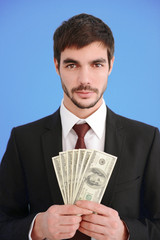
[30,199]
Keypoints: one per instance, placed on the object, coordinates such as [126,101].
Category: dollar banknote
[83,174]
[58,171]
[96,177]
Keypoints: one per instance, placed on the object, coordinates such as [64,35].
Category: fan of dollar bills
[83,174]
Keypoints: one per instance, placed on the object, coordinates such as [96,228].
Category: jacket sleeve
[148,226]
[15,217]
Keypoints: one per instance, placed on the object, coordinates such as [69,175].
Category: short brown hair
[80,31]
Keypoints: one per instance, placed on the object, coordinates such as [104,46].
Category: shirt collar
[96,121]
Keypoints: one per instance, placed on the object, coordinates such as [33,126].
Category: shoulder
[130,126]
[40,125]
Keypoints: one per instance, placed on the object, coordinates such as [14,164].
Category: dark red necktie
[81,130]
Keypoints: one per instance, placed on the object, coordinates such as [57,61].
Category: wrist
[37,233]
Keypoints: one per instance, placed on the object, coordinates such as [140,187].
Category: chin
[82,105]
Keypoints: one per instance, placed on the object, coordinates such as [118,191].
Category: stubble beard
[82,87]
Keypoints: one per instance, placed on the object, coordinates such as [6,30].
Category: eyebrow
[70,60]
[99,60]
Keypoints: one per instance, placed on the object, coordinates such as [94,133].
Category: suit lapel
[113,145]
[52,145]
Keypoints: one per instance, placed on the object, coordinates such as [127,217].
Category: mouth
[84,93]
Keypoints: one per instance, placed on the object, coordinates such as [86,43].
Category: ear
[111,65]
[56,65]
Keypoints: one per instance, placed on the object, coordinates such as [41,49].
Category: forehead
[95,50]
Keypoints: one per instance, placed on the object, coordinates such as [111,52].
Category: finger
[103,232]
[75,210]
[93,228]
[96,207]
[64,235]
[99,221]
[96,219]
[70,210]
[69,228]
[70,220]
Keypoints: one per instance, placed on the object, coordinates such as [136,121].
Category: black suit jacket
[28,184]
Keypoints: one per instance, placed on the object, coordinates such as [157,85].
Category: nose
[84,76]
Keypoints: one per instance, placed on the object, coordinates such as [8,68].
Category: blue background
[29,86]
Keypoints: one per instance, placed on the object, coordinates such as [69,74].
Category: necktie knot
[81,130]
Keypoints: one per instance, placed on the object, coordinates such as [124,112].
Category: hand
[58,222]
[104,225]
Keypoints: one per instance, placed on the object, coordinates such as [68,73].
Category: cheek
[67,78]
[67,83]
[103,76]
[101,81]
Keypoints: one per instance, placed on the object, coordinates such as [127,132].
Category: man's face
[84,75]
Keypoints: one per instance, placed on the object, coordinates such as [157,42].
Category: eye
[98,65]
[71,66]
